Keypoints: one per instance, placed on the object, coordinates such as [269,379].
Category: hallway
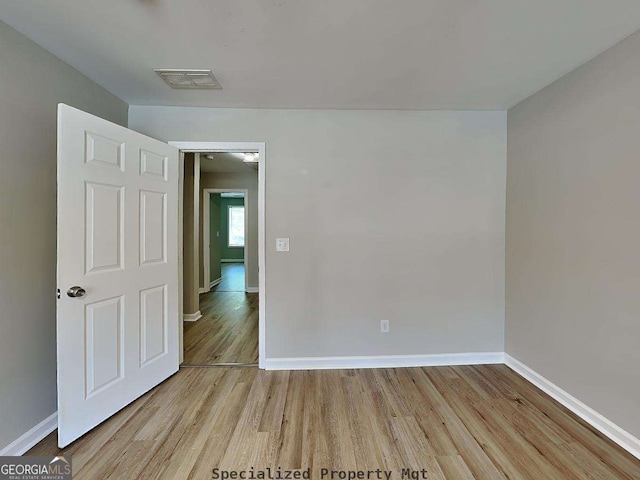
[227,331]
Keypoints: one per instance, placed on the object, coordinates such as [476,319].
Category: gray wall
[242,181]
[32,82]
[214,224]
[329,176]
[573,234]
[191,243]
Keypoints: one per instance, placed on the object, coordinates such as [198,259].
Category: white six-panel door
[118,241]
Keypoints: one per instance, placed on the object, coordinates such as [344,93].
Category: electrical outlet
[384,326]
[282,244]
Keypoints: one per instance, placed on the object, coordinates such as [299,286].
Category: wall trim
[192,317]
[618,435]
[260,147]
[206,228]
[215,282]
[252,289]
[202,290]
[24,442]
[384,361]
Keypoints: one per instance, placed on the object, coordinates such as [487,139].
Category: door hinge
[58,293]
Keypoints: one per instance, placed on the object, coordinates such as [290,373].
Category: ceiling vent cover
[203,79]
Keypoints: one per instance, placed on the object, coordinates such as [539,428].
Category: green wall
[236,253]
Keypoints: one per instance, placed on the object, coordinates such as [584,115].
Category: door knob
[74,292]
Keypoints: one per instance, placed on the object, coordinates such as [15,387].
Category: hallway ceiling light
[250,157]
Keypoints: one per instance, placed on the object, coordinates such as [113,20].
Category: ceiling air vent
[203,79]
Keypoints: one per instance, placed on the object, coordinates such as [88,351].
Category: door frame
[206,233]
[239,147]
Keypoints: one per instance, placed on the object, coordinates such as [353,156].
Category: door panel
[153,165]
[104,150]
[103,227]
[117,208]
[153,227]
[103,344]
[153,318]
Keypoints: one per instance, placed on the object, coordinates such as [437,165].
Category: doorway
[227,325]
[225,239]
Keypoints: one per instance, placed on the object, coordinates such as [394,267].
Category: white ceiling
[226,162]
[410,54]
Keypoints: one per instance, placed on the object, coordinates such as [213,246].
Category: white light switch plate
[282,244]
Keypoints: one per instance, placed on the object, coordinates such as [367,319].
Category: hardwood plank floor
[227,331]
[482,422]
[232,278]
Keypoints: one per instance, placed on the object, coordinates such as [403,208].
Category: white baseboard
[192,317]
[618,435]
[232,260]
[202,290]
[215,282]
[252,289]
[23,443]
[383,361]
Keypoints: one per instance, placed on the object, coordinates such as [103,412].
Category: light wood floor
[457,423]
[227,331]
[232,278]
